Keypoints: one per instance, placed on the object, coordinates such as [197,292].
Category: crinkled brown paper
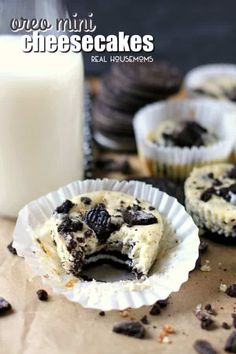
[61,327]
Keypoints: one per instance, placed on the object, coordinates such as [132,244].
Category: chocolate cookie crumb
[207,194]
[68,225]
[155,310]
[144,320]
[99,220]
[42,295]
[134,216]
[130,328]
[5,306]
[65,207]
[102,313]
[163,303]
[225,325]
[11,248]
[204,347]
[210,310]
[224,193]
[217,183]
[86,200]
[206,323]
[230,345]
[88,233]
[204,317]
[231,290]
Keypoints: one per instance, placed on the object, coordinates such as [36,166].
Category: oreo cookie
[158,77]
[99,220]
[130,328]
[138,217]
[109,120]
[65,207]
[69,225]
[123,91]
[190,135]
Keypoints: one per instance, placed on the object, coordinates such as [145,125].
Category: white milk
[41,101]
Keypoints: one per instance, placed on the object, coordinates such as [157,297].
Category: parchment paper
[59,327]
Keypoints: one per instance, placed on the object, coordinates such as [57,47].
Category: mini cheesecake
[106,227]
[182,134]
[210,194]
[221,86]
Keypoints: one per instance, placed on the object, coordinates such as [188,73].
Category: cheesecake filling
[185,133]
[106,227]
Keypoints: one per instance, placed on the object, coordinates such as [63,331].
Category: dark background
[187,32]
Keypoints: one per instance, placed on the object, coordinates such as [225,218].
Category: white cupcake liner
[171,269]
[197,76]
[210,113]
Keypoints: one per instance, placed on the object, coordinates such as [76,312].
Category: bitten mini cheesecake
[210,193]
[106,227]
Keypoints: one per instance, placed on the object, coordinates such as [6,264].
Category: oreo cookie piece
[231,290]
[138,217]
[115,94]
[42,295]
[207,194]
[190,135]
[86,200]
[5,306]
[12,249]
[65,207]
[99,220]
[130,328]
[204,347]
[230,345]
[69,225]
[159,77]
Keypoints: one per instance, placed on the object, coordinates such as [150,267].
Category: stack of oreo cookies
[125,89]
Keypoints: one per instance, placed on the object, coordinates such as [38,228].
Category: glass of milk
[41,112]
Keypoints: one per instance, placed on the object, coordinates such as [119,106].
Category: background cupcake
[175,136]
[210,193]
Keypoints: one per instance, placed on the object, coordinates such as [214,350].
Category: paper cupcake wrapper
[205,219]
[168,273]
[198,75]
[175,161]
